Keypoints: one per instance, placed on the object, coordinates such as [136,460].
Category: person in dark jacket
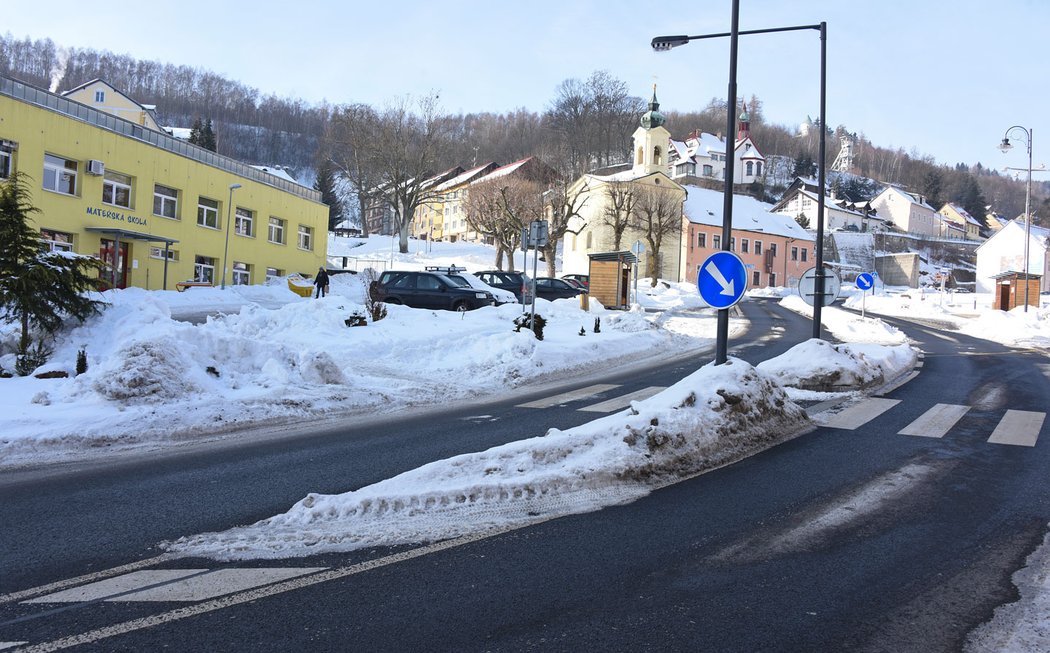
[321,281]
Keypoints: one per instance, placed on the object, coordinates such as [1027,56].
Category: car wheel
[460,307]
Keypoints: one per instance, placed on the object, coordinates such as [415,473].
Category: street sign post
[865,282]
[722,280]
[808,283]
[637,248]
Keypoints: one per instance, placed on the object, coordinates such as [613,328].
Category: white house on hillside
[704,155]
[1004,252]
[799,201]
[909,213]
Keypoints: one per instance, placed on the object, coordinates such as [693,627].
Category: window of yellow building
[276,231]
[204,269]
[165,202]
[116,189]
[60,175]
[242,274]
[244,222]
[56,241]
[158,253]
[306,237]
[207,213]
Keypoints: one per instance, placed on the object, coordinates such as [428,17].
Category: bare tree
[657,213]
[350,139]
[562,204]
[619,209]
[500,208]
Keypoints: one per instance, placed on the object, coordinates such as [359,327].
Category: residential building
[907,212]
[801,200]
[590,232]
[1004,252]
[959,216]
[773,247]
[155,209]
[530,168]
[703,155]
[441,217]
[98,94]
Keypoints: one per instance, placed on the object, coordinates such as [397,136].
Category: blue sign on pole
[865,281]
[722,279]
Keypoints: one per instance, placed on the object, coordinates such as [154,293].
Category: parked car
[431,290]
[551,288]
[516,282]
[502,296]
[583,280]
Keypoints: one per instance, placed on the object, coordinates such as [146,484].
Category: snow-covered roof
[964,214]
[277,171]
[908,196]
[464,177]
[505,170]
[1040,234]
[704,206]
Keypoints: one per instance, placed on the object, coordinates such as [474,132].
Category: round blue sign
[721,279]
[865,281]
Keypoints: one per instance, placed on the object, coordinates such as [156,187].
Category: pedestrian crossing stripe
[1019,428]
[191,585]
[935,422]
[859,414]
[572,395]
[623,401]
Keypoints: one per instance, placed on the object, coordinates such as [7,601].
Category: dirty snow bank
[714,416]
[820,365]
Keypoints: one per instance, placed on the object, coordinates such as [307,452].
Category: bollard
[585,302]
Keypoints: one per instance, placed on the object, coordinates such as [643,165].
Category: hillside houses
[703,155]
[907,212]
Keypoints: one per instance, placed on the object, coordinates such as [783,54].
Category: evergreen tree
[208,141]
[326,184]
[38,288]
[195,131]
[804,166]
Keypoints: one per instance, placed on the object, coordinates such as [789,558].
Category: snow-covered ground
[264,354]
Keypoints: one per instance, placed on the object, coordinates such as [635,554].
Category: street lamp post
[226,247]
[664,43]
[1005,146]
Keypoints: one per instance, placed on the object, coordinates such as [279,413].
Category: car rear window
[457,281]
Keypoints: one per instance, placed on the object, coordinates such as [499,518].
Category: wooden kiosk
[610,278]
[1009,290]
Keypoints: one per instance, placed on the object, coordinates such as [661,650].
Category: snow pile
[821,366]
[1016,327]
[716,415]
[847,326]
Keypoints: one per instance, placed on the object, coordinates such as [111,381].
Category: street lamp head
[1005,146]
[665,43]
[234,186]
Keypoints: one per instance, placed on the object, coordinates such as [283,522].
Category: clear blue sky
[941,77]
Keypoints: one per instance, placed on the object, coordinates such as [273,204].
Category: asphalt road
[843,539]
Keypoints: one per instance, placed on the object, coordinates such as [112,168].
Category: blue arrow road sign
[865,281]
[722,279]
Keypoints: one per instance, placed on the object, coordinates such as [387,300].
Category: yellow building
[157,210]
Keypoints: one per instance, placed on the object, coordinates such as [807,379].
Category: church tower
[651,141]
[743,124]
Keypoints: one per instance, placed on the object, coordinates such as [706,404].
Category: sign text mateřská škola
[116,215]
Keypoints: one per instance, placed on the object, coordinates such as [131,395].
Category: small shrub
[356,319]
[53,374]
[597,325]
[211,370]
[525,322]
[35,356]
[82,364]
[583,331]
[375,308]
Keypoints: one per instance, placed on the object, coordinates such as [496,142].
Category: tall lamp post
[1005,146]
[664,43]
[226,247]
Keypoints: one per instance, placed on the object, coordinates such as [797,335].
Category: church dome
[653,117]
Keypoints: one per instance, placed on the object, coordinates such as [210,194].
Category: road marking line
[624,401]
[1019,428]
[86,578]
[566,397]
[890,388]
[4,645]
[859,414]
[177,584]
[261,592]
[935,422]
[104,589]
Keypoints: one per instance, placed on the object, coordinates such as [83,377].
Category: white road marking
[890,388]
[935,422]
[177,584]
[260,593]
[624,401]
[566,397]
[4,645]
[858,414]
[87,578]
[941,336]
[1019,428]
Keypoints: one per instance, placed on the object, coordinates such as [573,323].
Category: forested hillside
[585,124]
